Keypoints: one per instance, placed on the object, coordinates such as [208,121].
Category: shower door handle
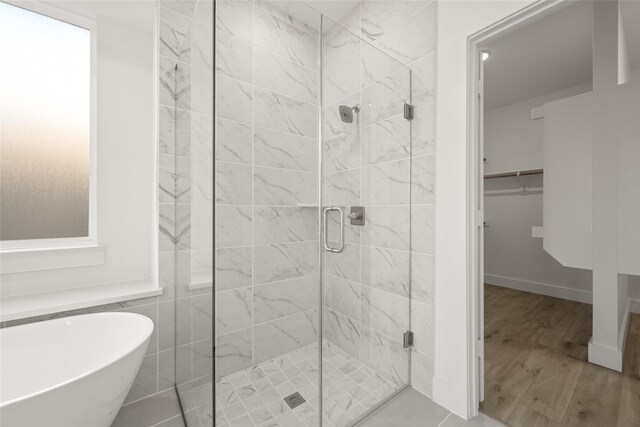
[326,229]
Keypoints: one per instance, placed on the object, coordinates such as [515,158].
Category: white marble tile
[174,179]
[423,179]
[175,226]
[183,7]
[233,225]
[202,45]
[146,381]
[201,136]
[342,295]
[233,141]
[423,228]
[423,126]
[166,369]
[283,188]
[284,224]
[234,99]
[278,36]
[233,352]
[375,64]
[342,331]
[386,269]
[379,17]
[414,38]
[386,184]
[385,312]
[387,227]
[422,370]
[345,264]
[274,338]
[342,81]
[233,184]
[386,97]
[175,87]
[278,299]
[342,188]
[202,312]
[203,12]
[170,143]
[202,91]
[278,74]
[283,113]
[423,327]
[284,261]
[234,57]
[233,310]
[285,150]
[423,80]
[203,358]
[184,363]
[422,278]
[386,140]
[235,18]
[342,152]
[175,35]
[339,45]
[385,355]
[295,13]
[233,267]
[202,181]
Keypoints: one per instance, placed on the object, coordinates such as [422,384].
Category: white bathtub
[70,372]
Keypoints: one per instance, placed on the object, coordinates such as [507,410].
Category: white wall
[513,258]
[457,20]
[513,141]
[126,172]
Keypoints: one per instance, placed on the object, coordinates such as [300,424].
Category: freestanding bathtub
[70,372]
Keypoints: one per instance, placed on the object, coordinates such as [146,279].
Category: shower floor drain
[294,400]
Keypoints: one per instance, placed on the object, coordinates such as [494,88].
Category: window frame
[91,241]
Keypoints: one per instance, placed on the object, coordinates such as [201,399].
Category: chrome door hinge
[408,111]
[407,339]
[479,89]
[479,348]
[479,219]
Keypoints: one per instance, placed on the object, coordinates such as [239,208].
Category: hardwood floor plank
[596,399]
[536,369]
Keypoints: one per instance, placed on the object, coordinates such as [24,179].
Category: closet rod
[515,173]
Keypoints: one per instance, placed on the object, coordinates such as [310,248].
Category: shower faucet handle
[356,215]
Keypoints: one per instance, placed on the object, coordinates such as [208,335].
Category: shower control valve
[356,215]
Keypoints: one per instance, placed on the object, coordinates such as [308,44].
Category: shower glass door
[366,216]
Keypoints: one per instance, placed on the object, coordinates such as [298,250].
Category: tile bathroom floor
[254,396]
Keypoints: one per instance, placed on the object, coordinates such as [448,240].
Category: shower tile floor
[254,397]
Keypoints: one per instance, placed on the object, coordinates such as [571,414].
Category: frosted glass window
[45,124]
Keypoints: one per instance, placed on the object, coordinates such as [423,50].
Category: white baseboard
[541,288]
[603,355]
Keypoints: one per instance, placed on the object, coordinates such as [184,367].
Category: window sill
[24,306]
[51,258]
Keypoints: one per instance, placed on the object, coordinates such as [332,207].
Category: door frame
[475,185]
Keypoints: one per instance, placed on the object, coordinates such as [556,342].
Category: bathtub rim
[117,357]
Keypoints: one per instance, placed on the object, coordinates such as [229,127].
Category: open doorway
[539,280]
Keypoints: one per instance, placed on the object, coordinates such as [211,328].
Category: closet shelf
[525,172]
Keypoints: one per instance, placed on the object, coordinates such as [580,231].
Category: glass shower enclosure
[293,271]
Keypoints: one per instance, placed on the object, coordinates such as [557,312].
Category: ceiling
[548,55]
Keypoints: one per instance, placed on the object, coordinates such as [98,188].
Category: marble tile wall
[185,343]
[266,173]
[384,280]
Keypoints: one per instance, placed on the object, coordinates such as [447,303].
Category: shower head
[346,112]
